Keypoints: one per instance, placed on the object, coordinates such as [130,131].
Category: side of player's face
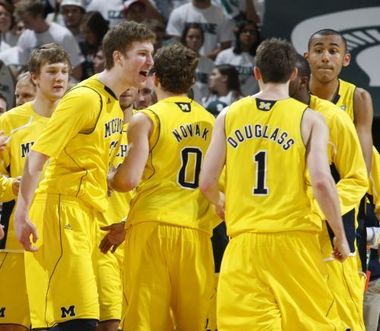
[136,63]
[128,97]
[294,86]
[53,79]
[326,56]
[25,91]
[3,106]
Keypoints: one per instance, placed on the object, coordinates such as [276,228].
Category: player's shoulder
[18,112]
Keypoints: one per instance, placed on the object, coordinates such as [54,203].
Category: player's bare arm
[129,173]
[213,165]
[363,117]
[26,232]
[315,135]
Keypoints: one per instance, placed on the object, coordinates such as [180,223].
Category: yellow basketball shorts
[14,306]
[168,269]
[109,278]
[60,276]
[346,283]
[275,282]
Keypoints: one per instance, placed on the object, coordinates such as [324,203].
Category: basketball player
[109,265]
[49,68]
[265,142]
[350,174]
[168,254]
[81,141]
[328,55]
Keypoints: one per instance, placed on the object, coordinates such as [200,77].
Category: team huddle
[114,213]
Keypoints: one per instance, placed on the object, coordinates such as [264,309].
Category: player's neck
[162,94]
[273,91]
[325,91]
[43,106]
[112,80]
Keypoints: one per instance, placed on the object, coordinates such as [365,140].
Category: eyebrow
[321,43]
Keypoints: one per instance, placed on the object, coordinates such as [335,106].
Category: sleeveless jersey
[81,140]
[118,206]
[266,168]
[23,125]
[345,97]
[169,190]
[351,177]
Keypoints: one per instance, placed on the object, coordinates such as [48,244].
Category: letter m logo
[184,106]
[68,311]
[2,312]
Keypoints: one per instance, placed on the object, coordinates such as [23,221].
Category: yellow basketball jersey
[351,177]
[345,97]
[169,190]
[118,206]
[266,167]
[27,126]
[81,140]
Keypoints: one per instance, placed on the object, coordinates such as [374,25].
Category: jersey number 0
[191,159]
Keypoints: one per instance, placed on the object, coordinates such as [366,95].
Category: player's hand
[219,207]
[1,231]
[341,249]
[25,231]
[114,238]
[16,185]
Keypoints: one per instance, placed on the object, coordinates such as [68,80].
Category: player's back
[265,167]
[169,190]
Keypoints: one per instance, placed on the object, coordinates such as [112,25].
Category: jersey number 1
[260,158]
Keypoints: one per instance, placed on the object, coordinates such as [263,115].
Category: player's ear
[306,55]
[116,57]
[34,77]
[257,73]
[294,74]
[346,59]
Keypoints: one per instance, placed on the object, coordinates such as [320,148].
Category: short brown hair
[175,66]
[32,7]
[47,53]
[276,59]
[122,36]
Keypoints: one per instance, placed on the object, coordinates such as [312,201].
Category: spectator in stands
[193,38]
[158,27]
[39,31]
[238,10]
[242,55]
[6,12]
[93,27]
[224,88]
[99,61]
[17,29]
[113,10]
[217,28]
[72,13]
